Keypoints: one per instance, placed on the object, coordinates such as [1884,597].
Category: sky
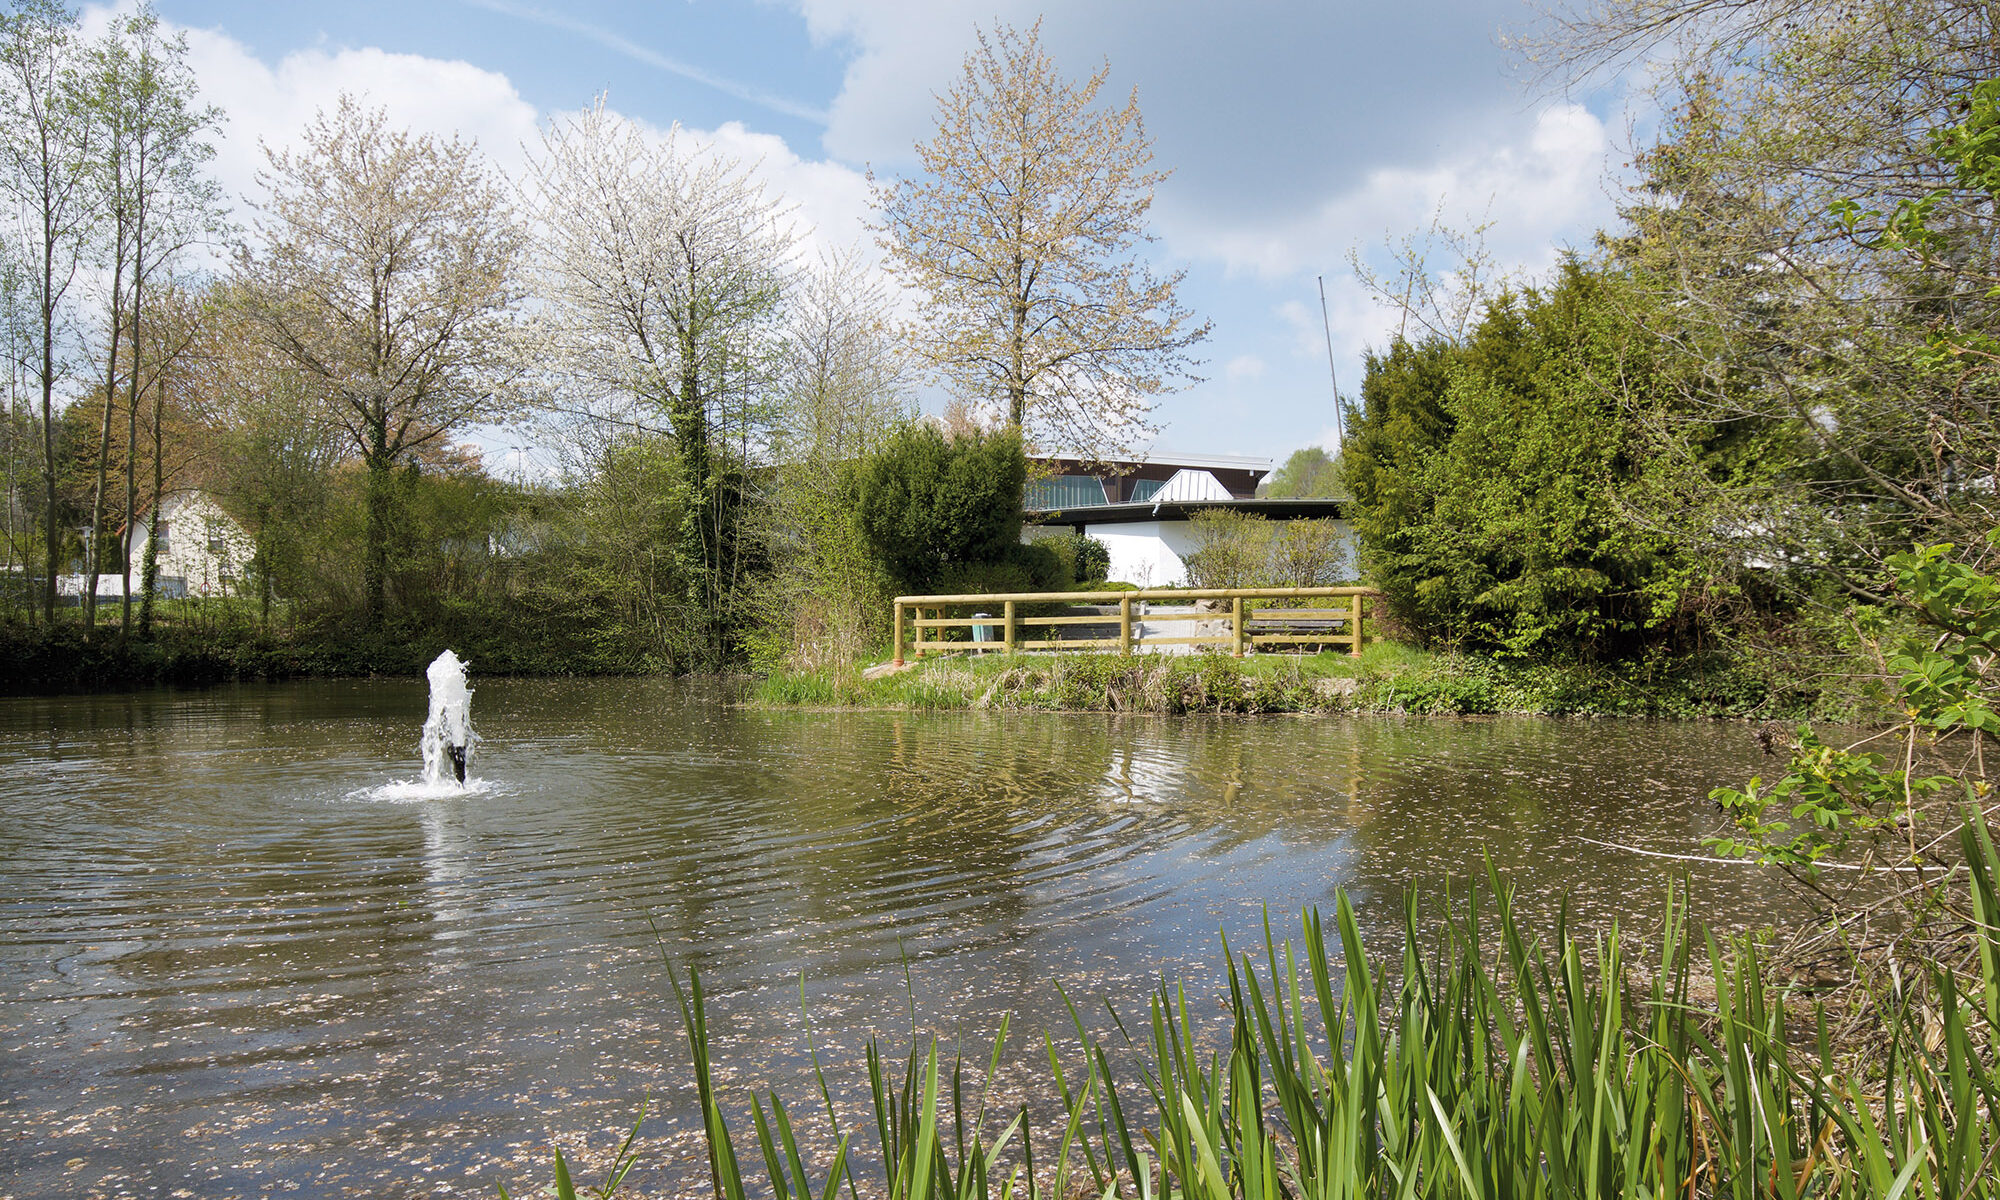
[1297,134]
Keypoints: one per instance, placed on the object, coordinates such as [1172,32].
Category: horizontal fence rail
[1238,618]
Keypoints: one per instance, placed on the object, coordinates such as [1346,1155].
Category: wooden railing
[1338,617]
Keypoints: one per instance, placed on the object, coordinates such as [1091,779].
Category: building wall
[205,548]
[1148,553]
[1154,553]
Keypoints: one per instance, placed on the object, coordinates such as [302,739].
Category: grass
[1479,1063]
[1386,678]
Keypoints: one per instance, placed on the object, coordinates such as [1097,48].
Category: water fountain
[448,737]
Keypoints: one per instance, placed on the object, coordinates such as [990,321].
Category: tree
[1309,474]
[844,392]
[386,269]
[1785,327]
[926,503]
[1490,478]
[156,204]
[1021,239]
[663,265]
[275,443]
[46,150]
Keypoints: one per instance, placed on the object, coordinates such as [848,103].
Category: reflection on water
[228,965]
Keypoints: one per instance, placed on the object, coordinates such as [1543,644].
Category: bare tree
[1021,237]
[386,270]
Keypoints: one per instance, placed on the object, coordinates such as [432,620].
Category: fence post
[1360,603]
[899,633]
[1125,625]
[1236,624]
[1008,639]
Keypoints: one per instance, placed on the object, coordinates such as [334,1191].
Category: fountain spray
[448,736]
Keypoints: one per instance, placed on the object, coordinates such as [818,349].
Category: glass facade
[1064,491]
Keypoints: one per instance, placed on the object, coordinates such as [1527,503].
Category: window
[1064,491]
[218,544]
[166,546]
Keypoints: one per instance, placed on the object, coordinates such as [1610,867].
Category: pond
[230,965]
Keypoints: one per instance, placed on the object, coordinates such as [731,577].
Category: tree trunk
[151,572]
[689,416]
[131,447]
[96,541]
[375,570]
[51,536]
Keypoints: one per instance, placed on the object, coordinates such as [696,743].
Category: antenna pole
[1326,323]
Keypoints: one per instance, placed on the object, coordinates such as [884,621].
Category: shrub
[925,503]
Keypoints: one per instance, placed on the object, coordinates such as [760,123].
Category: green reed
[1486,1065]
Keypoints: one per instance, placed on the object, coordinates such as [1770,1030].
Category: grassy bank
[1386,678]
[225,642]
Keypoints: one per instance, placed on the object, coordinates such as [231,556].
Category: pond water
[229,966]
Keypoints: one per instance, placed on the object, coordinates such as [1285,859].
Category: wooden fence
[1243,618]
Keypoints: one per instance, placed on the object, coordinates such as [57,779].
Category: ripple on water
[237,952]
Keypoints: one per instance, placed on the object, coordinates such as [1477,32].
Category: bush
[925,503]
[1084,557]
[1024,567]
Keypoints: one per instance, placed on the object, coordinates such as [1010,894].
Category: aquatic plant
[1484,1064]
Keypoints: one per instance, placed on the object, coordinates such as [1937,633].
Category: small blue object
[983,633]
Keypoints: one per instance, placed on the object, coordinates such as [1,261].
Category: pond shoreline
[1385,680]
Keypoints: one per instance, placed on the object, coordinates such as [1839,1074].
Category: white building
[203,551]
[1141,508]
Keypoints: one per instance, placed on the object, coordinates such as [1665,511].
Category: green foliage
[1239,549]
[1829,797]
[1310,473]
[1021,567]
[1929,229]
[1479,1060]
[1232,548]
[1487,478]
[1083,557]
[925,502]
[1387,678]
[613,556]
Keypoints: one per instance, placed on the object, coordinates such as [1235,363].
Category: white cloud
[1243,368]
[905,52]
[1548,180]
[271,105]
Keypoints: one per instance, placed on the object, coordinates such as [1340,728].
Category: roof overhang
[1181,510]
[1227,462]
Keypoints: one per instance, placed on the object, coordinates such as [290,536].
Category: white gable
[1191,484]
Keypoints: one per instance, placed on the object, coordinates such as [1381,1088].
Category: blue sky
[1295,132]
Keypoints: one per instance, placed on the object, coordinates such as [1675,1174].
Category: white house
[203,551]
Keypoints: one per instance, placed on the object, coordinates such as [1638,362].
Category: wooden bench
[1299,627]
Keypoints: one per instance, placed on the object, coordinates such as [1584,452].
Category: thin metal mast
[1339,420]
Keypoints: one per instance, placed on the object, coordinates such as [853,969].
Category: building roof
[1181,510]
[1169,458]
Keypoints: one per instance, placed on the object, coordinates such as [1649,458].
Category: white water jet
[448,736]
